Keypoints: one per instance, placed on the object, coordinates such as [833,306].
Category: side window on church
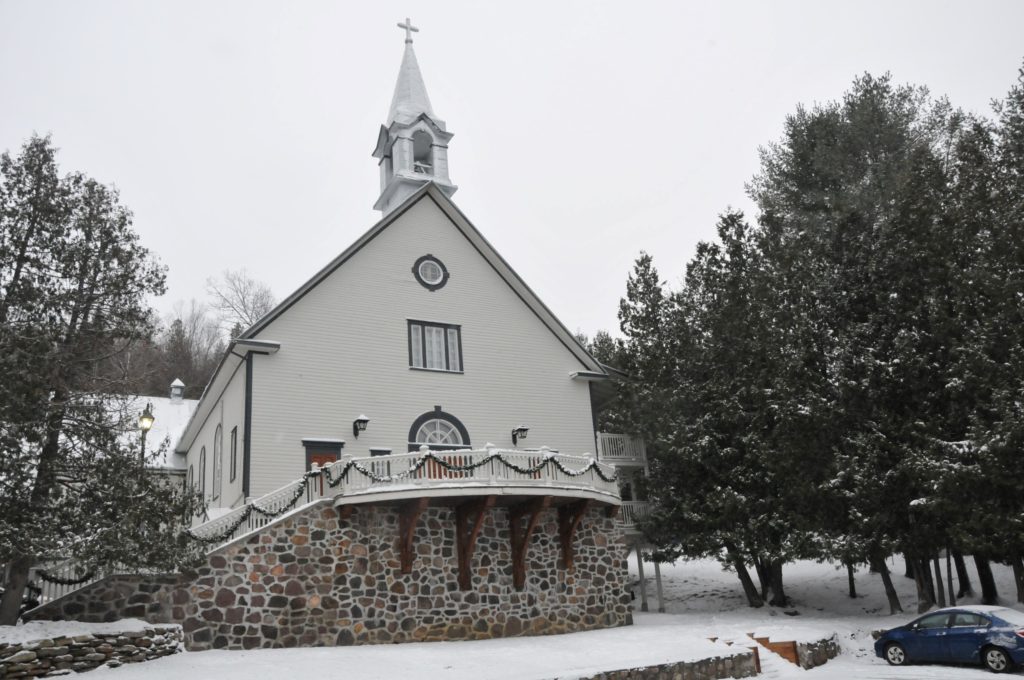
[435,346]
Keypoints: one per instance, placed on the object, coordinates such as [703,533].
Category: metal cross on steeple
[409,30]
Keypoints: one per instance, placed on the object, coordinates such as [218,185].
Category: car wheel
[895,654]
[996,660]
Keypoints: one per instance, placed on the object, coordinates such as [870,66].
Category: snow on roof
[170,417]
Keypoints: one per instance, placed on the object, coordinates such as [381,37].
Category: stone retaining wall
[60,655]
[813,654]
[111,598]
[738,666]
[313,579]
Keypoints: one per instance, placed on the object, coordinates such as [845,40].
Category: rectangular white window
[435,346]
[454,356]
[416,345]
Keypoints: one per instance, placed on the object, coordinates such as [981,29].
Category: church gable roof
[431,192]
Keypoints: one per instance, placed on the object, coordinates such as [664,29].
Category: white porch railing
[59,571]
[423,472]
[631,512]
[621,448]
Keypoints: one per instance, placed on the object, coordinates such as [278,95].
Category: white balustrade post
[491,469]
[425,470]
[316,480]
[549,476]
[591,473]
[343,461]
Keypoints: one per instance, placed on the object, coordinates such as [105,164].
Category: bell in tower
[412,146]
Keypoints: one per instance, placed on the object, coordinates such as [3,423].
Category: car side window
[933,621]
[969,621]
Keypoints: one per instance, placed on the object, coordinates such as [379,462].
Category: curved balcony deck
[479,472]
[509,475]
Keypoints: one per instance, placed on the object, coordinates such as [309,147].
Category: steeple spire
[410,98]
[413,142]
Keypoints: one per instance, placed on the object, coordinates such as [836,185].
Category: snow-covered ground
[701,601]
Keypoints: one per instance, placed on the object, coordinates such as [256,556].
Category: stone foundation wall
[314,579]
[739,666]
[59,655]
[115,597]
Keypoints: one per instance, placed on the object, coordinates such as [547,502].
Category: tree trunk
[989,594]
[962,577]
[778,592]
[949,577]
[940,590]
[890,591]
[14,590]
[753,598]
[46,475]
[908,567]
[851,584]
[1018,576]
[925,594]
[763,576]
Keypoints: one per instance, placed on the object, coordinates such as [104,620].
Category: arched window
[422,153]
[189,488]
[202,472]
[439,430]
[218,461]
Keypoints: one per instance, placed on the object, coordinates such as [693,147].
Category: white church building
[419,331]
[404,449]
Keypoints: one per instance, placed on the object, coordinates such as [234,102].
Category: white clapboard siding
[344,351]
[228,412]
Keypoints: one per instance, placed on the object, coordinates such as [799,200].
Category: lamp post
[145,424]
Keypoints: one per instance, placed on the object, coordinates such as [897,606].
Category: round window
[430,272]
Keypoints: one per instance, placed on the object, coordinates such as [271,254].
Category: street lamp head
[146,419]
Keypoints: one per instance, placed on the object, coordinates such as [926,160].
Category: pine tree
[73,282]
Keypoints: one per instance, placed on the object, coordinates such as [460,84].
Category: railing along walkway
[632,512]
[419,471]
[621,448]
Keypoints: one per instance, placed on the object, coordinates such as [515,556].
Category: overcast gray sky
[240,132]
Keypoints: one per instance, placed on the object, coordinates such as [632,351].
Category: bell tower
[412,146]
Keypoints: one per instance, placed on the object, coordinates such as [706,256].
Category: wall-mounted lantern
[359,425]
[519,433]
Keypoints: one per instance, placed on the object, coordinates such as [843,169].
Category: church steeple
[412,145]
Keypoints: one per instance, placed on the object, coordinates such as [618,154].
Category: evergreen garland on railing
[50,578]
[333,481]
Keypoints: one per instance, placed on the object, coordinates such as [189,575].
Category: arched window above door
[438,430]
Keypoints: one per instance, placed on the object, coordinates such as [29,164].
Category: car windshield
[1010,615]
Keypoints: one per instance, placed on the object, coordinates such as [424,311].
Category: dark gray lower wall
[314,579]
[739,666]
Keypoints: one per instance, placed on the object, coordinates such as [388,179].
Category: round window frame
[423,282]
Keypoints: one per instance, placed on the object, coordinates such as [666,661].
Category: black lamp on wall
[359,425]
[519,433]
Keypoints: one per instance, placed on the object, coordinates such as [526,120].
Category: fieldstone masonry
[313,579]
[740,665]
[61,655]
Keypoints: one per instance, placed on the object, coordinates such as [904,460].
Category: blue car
[993,636]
